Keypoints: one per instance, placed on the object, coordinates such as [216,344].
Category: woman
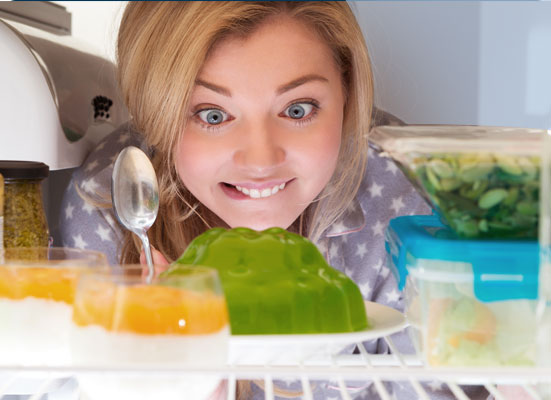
[255,114]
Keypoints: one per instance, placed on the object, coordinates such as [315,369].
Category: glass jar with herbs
[25,223]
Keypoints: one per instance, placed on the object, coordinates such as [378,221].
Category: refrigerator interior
[434,62]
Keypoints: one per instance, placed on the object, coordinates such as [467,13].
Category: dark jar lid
[24,170]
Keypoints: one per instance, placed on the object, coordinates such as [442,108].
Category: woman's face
[264,131]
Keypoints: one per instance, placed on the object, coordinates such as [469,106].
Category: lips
[257,193]
[253,190]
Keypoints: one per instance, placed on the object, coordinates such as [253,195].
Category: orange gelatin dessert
[125,324]
[150,309]
[35,310]
[20,282]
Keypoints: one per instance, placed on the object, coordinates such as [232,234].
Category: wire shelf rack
[374,369]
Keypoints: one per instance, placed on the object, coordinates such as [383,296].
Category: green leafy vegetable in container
[485,194]
[482,181]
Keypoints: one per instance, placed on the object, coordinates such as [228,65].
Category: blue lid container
[502,269]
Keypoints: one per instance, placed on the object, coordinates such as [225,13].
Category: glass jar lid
[24,170]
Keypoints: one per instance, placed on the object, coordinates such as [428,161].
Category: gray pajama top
[353,245]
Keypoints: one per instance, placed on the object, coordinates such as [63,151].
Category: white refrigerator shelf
[374,368]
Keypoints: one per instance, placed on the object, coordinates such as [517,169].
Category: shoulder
[105,152]
[87,219]
[386,190]
[384,193]
[384,187]
[94,175]
[381,117]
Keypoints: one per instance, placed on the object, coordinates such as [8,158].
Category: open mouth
[239,192]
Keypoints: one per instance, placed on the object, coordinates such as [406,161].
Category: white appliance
[58,97]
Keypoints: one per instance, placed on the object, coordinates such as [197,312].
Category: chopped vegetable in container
[482,181]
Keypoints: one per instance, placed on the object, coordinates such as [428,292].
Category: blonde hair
[161,49]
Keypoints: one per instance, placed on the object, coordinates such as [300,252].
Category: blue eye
[212,116]
[298,110]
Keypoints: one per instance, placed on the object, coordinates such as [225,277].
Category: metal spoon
[135,196]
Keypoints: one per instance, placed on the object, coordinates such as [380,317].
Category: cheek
[327,147]
[189,161]
[333,144]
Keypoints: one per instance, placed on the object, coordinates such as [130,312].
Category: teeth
[256,194]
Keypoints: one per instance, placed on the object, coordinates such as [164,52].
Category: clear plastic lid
[400,141]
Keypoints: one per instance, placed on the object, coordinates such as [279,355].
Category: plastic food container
[37,290]
[482,181]
[469,303]
[544,335]
[121,321]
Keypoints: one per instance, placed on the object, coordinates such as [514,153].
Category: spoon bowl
[135,196]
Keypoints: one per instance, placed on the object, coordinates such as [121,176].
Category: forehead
[275,45]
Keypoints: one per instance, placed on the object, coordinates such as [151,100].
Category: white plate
[263,349]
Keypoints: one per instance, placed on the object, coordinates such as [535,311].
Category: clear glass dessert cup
[37,287]
[121,322]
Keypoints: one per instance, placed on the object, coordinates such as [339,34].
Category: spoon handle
[147,249]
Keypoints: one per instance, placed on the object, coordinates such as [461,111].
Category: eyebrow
[300,81]
[215,88]
[280,90]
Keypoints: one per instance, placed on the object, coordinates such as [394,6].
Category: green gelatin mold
[277,282]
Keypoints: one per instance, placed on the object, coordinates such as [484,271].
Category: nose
[260,150]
